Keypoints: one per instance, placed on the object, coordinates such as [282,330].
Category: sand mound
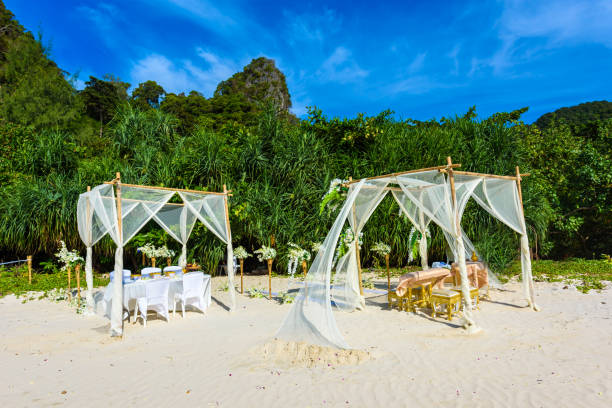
[298,354]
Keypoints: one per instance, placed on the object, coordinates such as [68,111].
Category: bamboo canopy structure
[120,210]
[435,195]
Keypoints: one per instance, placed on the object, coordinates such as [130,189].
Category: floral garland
[414,239]
[316,246]
[265,253]
[335,194]
[68,258]
[381,248]
[296,255]
[241,253]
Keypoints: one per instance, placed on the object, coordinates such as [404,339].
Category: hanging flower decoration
[346,240]
[316,246]
[381,249]
[334,196]
[265,253]
[69,259]
[296,255]
[414,239]
[241,253]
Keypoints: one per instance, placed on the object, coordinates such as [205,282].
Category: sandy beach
[561,356]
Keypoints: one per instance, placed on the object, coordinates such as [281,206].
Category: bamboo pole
[77,271]
[69,270]
[388,275]
[518,185]
[241,276]
[120,236]
[357,254]
[403,172]
[230,262]
[270,279]
[227,192]
[29,269]
[471,173]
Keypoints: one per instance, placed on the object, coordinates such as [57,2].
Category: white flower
[296,255]
[381,248]
[241,253]
[265,253]
[68,258]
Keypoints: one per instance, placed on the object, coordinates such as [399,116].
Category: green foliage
[15,281]
[148,95]
[580,114]
[587,274]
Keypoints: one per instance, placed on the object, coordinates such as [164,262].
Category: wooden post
[304,269]
[77,271]
[143,259]
[68,269]
[270,278]
[153,262]
[357,254]
[518,185]
[30,269]
[241,276]
[168,261]
[388,274]
[272,240]
[230,262]
[120,236]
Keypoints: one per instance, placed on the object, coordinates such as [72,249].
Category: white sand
[561,357]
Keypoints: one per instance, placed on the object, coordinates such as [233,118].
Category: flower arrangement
[68,258]
[241,253]
[296,255]
[265,253]
[316,246]
[335,194]
[413,242]
[151,251]
[381,249]
[347,239]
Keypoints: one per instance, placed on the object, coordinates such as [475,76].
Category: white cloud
[341,67]
[453,55]
[185,75]
[314,28]
[204,10]
[548,26]
[417,63]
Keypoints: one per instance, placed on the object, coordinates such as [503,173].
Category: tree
[148,95]
[101,97]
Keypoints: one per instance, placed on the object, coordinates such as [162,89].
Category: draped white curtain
[97,215]
[431,192]
[178,221]
[420,221]
[310,318]
[346,292]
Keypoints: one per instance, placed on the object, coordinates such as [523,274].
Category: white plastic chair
[156,299]
[193,292]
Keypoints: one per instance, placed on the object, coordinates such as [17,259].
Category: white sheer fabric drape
[311,318]
[430,191]
[500,198]
[420,221]
[346,292]
[178,221]
[210,209]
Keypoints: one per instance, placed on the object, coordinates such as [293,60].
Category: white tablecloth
[135,290]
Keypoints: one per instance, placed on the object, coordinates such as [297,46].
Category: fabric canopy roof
[121,216]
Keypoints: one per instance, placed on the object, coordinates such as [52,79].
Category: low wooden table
[415,288]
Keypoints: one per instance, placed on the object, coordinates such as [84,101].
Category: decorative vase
[474,257]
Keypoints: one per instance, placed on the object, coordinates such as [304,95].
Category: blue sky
[421,59]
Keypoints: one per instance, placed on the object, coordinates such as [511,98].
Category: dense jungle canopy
[56,140]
